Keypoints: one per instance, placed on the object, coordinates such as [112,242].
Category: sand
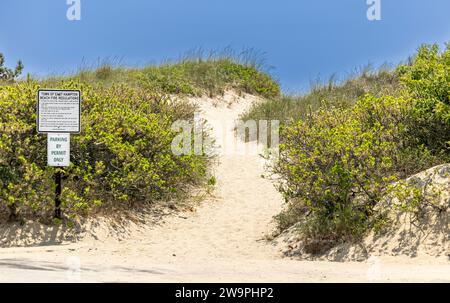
[222,240]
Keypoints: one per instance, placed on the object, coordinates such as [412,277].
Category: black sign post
[58,190]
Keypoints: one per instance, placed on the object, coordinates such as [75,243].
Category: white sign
[59,111]
[58,150]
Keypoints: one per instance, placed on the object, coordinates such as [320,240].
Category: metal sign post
[58,191]
[58,115]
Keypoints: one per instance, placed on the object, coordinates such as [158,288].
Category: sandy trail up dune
[222,241]
[233,222]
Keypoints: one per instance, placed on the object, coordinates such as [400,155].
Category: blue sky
[302,40]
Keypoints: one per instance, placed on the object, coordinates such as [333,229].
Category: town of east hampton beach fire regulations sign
[59,111]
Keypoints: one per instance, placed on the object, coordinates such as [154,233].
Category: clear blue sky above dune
[302,40]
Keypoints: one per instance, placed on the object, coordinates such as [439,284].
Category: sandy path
[222,241]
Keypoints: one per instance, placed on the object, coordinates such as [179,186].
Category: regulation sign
[58,150]
[59,111]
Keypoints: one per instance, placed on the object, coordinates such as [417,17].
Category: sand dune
[222,240]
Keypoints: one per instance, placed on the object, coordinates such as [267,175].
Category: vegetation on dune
[343,147]
[427,79]
[123,157]
[292,108]
[192,77]
[337,163]
[336,166]
[210,77]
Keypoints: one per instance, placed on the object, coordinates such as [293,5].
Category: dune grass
[192,76]
[295,107]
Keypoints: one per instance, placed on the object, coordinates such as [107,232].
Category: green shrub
[122,157]
[427,79]
[337,164]
[339,159]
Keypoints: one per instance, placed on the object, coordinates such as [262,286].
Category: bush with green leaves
[339,159]
[337,164]
[427,79]
[122,157]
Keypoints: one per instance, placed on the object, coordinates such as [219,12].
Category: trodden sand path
[222,241]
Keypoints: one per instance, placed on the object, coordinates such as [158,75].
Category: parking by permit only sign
[59,111]
[58,150]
